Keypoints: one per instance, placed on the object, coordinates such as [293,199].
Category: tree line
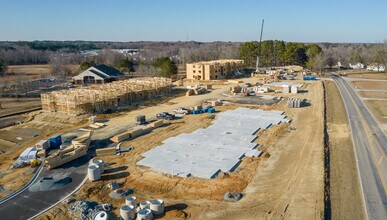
[163,66]
[273,53]
[278,53]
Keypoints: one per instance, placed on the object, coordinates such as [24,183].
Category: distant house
[376,68]
[356,66]
[99,74]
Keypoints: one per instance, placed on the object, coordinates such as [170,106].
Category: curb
[53,205]
[14,194]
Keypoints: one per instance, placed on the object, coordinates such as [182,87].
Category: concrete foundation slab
[204,153]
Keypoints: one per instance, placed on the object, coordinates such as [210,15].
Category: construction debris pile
[100,98]
[197,90]
[88,209]
[294,103]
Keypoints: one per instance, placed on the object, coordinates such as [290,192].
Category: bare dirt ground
[346,200]
[373,94]
[289,185]
[286,182]
[12,105]
[367,75]
[374,85]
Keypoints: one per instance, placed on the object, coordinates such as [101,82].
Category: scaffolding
[99,98]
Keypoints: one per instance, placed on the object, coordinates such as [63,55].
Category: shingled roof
[111,71]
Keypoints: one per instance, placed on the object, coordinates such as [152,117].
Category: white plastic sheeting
[220,147]
[28,154]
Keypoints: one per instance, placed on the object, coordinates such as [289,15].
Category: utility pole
[259,49]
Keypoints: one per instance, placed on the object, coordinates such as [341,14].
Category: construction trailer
[100,98]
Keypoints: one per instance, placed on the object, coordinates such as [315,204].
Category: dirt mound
[51,117]
[176,214]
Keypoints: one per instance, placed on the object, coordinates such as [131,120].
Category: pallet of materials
[157,123]
[106,151]
[121,137]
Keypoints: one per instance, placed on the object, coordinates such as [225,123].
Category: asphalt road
[27,204]
[370,145]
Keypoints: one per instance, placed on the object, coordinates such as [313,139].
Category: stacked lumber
[121,137]
[157,123]
[106,151]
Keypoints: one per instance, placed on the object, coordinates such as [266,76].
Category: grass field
[377,85]
[36,69]
[26,72]
[367,75]
[369,94]
[378,108]
[43,69]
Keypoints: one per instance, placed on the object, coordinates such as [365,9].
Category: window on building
[89,79]
[194,71]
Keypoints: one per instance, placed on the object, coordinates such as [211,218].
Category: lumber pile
[133,133]
[157,123]
[106,151]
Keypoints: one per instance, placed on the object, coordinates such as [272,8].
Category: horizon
[155,41]
[202,21]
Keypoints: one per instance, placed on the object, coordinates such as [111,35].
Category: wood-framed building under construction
[100,98]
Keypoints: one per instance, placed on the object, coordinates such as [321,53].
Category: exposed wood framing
[99,98]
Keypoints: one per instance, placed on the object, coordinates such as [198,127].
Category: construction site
[100,98]
[108,113]
[224,144]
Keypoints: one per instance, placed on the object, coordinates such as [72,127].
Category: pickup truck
[165,115]
[182,111]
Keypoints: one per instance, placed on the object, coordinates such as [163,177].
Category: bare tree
[319,62]
[148,70]
[59,67]
[109,57]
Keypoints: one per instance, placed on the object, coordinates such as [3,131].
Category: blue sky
[200,20]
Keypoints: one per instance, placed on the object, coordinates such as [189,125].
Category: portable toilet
[211,110]
[140,119]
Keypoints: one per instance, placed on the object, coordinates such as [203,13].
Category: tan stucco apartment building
[215,69]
